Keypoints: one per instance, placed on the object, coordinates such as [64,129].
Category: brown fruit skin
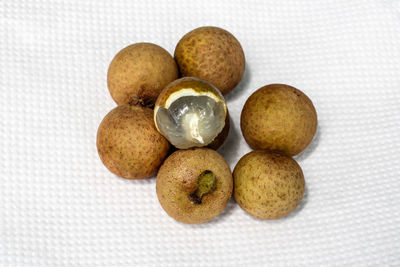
[212,54]
[176,181]
[129,144]
[139,72]
[220,139]
[278,118]
[268,186]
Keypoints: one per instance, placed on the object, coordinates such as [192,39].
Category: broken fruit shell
[220,139]
[190,112]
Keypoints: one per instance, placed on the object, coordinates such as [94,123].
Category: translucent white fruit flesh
[191,121]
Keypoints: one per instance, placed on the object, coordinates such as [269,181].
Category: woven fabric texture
[59,206]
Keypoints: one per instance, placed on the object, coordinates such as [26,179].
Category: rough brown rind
[129,144]
[139,72]
[268,186]
[176,180]
[212,54]
[278,118]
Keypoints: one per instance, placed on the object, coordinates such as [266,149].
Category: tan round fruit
[129,144]
[212,54]
[194,185]
[190,112]
[139,72]
[268,186]
[278,118]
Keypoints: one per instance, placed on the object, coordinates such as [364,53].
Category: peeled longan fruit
[268,186]
[129,144]
[212,54]
[278,118]
[191,112]
[194,185]
[139,72]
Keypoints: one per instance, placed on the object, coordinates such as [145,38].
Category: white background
[59,206]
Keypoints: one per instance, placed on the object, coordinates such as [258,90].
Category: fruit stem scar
[206,183]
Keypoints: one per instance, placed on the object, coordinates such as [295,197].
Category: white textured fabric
[59,206]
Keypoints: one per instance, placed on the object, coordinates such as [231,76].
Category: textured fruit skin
[176,180]
[268,186]
[278,118]
[139,72]
[212,54]
[129,144]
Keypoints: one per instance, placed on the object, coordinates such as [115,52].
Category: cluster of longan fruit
[172,116]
